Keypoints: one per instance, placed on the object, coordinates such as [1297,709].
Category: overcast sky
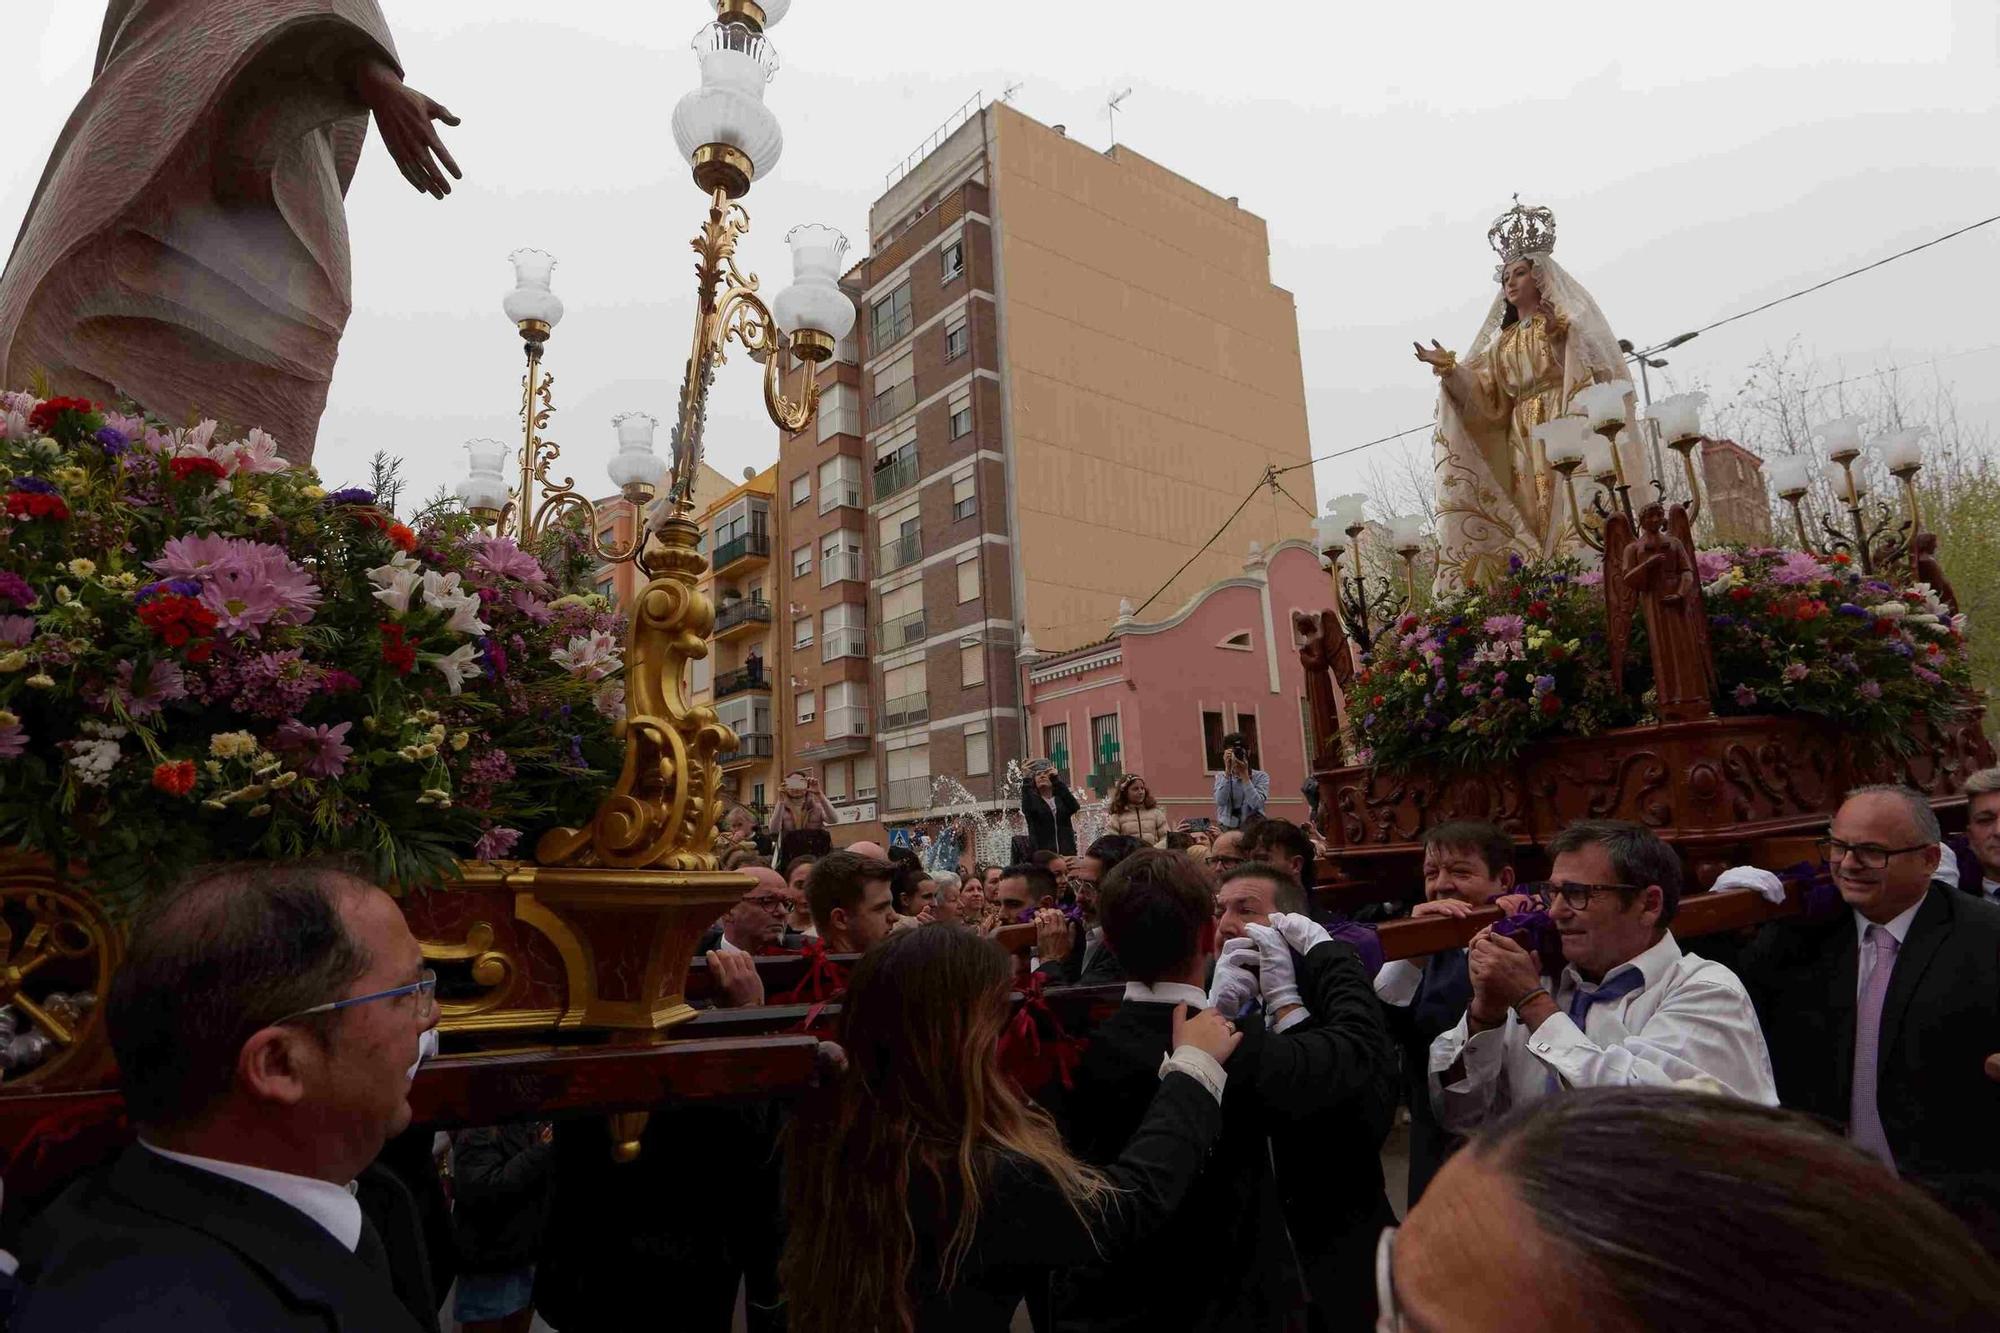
[1701,158]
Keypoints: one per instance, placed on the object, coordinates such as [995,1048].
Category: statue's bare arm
[405,118]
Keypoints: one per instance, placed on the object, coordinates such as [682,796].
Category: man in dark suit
[1334,1200]
[1325,1068]
[1881,1018]
[267,1023]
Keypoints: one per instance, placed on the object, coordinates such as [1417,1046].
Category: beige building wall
[1151,373]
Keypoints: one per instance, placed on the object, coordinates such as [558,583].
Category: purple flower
[1796,672]
[1505,627]
[338,682]
[274,685]
[1712,565]
[33,486]
[1871,690]
[1722,622]
[1469,691]
[1798,567]
[247,584]
[1850,609]
[178,587]
[1514,562]
[1545,684]
[1926,675]
[490,770]
[15,631]
[193,556]
[1590,578]
[113,440]
[1745,696]
[1901,649]
[16,590]
[503,559]
[317,752]
[496,656]
[495,844]
[164,683]
[352,495]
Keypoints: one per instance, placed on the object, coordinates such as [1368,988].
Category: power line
[1679,339]
[1211,541]
[1278,486]
[1911,365]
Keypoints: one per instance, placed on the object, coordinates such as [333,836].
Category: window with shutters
[978,753]
[964,497]
[961,414]
[891,319]
[807,710]
[802,560]
[957,338]
[968,578]
[802,488]
[840,483]
[895,390]
[954,258]
[972,664]
[843,632]
[864,778]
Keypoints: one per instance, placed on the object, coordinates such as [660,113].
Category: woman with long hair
[925,1192]
[1135,812]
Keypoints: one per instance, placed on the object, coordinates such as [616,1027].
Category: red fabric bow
[824,979]
[1035,1050]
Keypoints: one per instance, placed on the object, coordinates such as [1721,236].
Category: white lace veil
[1479,523]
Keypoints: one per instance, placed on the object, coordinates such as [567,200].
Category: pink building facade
[1157,697]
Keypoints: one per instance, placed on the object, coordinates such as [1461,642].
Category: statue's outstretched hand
[404,116]
[1434,355]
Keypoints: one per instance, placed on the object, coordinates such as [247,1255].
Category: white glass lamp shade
[1597,459]
[1679,416]
[485,486]
[729,107]
[635,465]
[1349,511]
[1901,449]
[1602,404]
[814,300]
[1837,475]
[1789,474]
[531,297]
[1327,532]
[1565,440]
[1406,531]
[1841,437]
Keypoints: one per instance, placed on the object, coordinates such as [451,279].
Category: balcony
[750,747]
[845,566]
[742,616]
[744,678]
[905,550]
[910,793]
[892,403]
[846,722]
[841,643]
[897,476]
[901,632]
[910,710]
[742,552]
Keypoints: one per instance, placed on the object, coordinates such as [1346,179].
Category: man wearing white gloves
[1329,1168]
[1630,1009]
[1317,1062]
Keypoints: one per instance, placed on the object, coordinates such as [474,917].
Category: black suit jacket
[1050,831]
[1439,1003]
[1321,1092]
[1940,1021]
[149,1244]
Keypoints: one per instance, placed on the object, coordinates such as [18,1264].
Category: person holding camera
[1048,807]
[1240,790]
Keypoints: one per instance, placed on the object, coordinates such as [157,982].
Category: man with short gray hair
[1982,829]
[1630,1009]
[1881,1017]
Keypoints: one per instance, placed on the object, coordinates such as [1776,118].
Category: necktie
[1617,988]
[1864,1118]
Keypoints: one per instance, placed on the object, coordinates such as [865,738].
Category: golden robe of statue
[1507,391]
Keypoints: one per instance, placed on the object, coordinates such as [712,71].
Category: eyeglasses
[1389,1318]
[1867,855]
[1226,862]
[424,988]
[771,902]
[1577,896]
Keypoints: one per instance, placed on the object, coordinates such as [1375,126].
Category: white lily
[458,665]
[464,614]
[439,589]
[393,586]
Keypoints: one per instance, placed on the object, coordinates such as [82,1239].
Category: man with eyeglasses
[1629,1009]
[267,1022]
[756,924]
[1881,1018]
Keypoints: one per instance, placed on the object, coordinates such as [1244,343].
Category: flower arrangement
[1477,677]
[205,655]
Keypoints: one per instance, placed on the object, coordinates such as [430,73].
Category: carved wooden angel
[1655,568]
[1924,562]
[1329,665]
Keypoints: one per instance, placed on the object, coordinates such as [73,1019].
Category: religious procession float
[207,653]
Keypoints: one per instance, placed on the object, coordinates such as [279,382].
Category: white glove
[1235,984]
[1764,882]
[1274,963]
[1301,932]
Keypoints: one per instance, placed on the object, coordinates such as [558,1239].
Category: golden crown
[1522,231]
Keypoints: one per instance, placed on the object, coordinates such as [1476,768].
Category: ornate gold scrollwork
[58,950]
[493,970]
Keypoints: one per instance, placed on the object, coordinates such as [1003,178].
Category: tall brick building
[1069,368]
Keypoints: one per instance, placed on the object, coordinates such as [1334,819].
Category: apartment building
[618,522]
[739,675]
[1069,369]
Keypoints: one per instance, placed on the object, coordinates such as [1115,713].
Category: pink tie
[1864,1118]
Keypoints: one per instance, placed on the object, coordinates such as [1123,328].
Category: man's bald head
[758,919]
[871,850]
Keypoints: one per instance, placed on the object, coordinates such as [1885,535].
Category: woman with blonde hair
[1135,812]
[925,1192]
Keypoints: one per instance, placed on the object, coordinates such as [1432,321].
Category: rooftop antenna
[1007,93]
[1111,110]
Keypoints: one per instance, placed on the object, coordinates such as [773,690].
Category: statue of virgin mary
[1543,340]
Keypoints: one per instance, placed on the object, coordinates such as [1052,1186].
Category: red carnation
[43,418]
[398,650]
[175,779]
[1741,594]
[401,537]
[1842,558]
[1884,628]
[202,651]
[1551,705]
[1538,608]
[36,504]
[1557,653]
[183,468]
[1376,702]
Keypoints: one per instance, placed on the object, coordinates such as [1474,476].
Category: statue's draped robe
[187,246]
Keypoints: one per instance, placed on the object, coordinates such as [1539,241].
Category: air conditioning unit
[806,717]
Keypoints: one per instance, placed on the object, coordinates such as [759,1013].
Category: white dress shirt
[722,945]
[1397,983]
[332,1206]
[1898,925]
[1690,1019]
[1196,1063]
